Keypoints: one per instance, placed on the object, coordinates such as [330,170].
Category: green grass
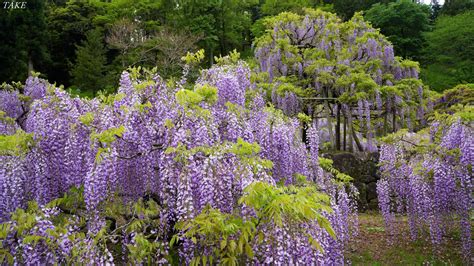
[372,247]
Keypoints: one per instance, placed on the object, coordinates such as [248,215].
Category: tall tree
[165,50]
[403,22]
[152,12]
[346,8]
[454,7]
[450,52]
[274,7]
[125,36]
[67,24]
[89,70]
[24,38]
[335,72]
[224,25]
[69,21]
[435,9]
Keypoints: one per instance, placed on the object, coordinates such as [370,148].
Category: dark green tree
[345,9]
[403,22]
[449,56]
[88,72]
[274,7]
[67,24]
[150,13]
[435,9]
[223,25]
[23,42]
[454,7]
[9,69]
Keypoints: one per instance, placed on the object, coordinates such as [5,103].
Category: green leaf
[7,255]
[208,93]
[261,237]
[109,135]
[193,58]
[16,144]
[87,118]
[31,239]
[4,229]
[248,250]
[315,244]
[324,223]
[223,243]
[232,246]
[173,240]
[187,98]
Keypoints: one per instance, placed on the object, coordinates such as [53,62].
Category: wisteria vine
[428,176]
[185,150]
[334,71]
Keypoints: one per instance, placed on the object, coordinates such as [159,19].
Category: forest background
[87,44]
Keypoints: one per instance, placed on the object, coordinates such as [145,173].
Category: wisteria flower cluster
[185,150]
[335,71]
[428,176]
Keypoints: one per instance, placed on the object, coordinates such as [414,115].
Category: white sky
[429,1]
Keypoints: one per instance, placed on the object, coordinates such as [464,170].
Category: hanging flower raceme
[429,177]
[316,59]
[173,154]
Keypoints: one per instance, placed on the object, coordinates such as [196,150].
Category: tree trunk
[345,134]
[338,128]
[124,52]
[356,139]
[305,126]
[349,124]
[222,41]
[394,119]
[328,118]
[329,123]
[30,66]
[211,56]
